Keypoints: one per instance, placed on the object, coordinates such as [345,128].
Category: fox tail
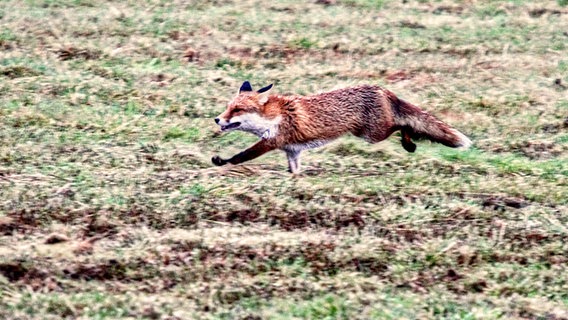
[416,123]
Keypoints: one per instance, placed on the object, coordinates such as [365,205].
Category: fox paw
[409,146]
[218,161]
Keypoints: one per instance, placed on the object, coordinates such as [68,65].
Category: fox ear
[245,87]
[265,88]
[263,94]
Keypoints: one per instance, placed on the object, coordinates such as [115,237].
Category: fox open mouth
[230,126]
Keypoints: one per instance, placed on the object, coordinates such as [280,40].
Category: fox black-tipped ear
[263,94]
[265,88]
[245,87]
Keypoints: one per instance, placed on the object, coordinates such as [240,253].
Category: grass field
[110,207]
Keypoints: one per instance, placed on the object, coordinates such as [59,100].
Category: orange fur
[296,123]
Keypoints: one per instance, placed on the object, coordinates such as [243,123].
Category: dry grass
[109,207]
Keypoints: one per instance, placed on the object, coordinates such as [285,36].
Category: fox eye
[238,110]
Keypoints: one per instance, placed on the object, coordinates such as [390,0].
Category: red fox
[297,123]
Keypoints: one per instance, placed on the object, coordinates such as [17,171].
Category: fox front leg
[293,161]
[218,161]
[260,148]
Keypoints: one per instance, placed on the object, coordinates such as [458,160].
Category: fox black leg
[260,148]
[218,161]
[407,144]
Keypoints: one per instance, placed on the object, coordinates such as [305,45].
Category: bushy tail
[417,123]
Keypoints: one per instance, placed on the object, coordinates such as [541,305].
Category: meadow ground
[110,208]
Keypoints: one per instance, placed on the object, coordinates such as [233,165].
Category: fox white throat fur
[296,123]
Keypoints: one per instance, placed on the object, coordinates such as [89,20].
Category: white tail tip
[464,142]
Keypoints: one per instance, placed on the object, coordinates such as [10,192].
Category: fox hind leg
[407,143]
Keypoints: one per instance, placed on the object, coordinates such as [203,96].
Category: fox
[294,123]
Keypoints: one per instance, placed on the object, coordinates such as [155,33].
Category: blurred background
[110,208]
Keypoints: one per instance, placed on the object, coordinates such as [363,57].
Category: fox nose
[217,120]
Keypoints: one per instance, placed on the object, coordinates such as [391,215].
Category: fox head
[248,112]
